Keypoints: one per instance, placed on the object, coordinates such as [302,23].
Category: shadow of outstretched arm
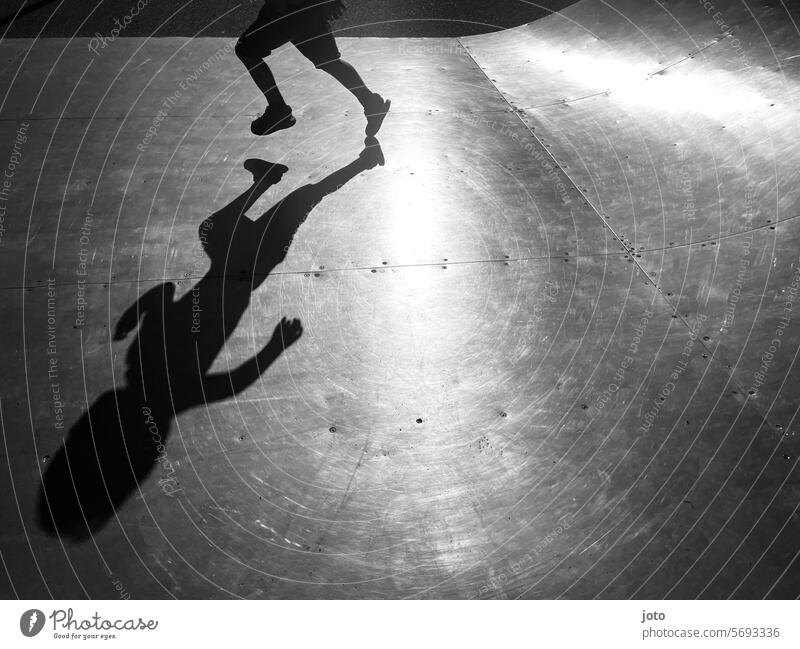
[226,385]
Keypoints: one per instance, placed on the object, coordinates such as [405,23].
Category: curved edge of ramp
[678,123]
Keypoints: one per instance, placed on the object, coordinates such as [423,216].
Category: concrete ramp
[547,350]
[675,122]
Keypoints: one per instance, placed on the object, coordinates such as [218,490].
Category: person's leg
[321,49]
[257,42]
[375,106]
[348,76]
[263,77]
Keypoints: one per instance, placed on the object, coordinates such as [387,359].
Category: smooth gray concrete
[527,348]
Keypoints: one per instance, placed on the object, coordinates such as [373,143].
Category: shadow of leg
[106,455]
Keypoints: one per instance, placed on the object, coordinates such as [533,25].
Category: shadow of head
[107,454]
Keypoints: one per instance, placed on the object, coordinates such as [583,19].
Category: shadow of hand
[287,332]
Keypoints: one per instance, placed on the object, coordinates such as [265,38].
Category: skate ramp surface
[547,350]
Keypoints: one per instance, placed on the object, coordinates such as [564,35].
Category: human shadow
[23,11]
[119,441]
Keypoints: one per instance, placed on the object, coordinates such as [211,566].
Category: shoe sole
[263,168]
[375,121]
[373,153]
[286,122]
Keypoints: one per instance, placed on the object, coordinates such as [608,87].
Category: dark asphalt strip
[406,18]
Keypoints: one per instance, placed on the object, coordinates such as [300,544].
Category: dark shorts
[308,30]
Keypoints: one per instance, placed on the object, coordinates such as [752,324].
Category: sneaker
[273,119]
[376,113]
